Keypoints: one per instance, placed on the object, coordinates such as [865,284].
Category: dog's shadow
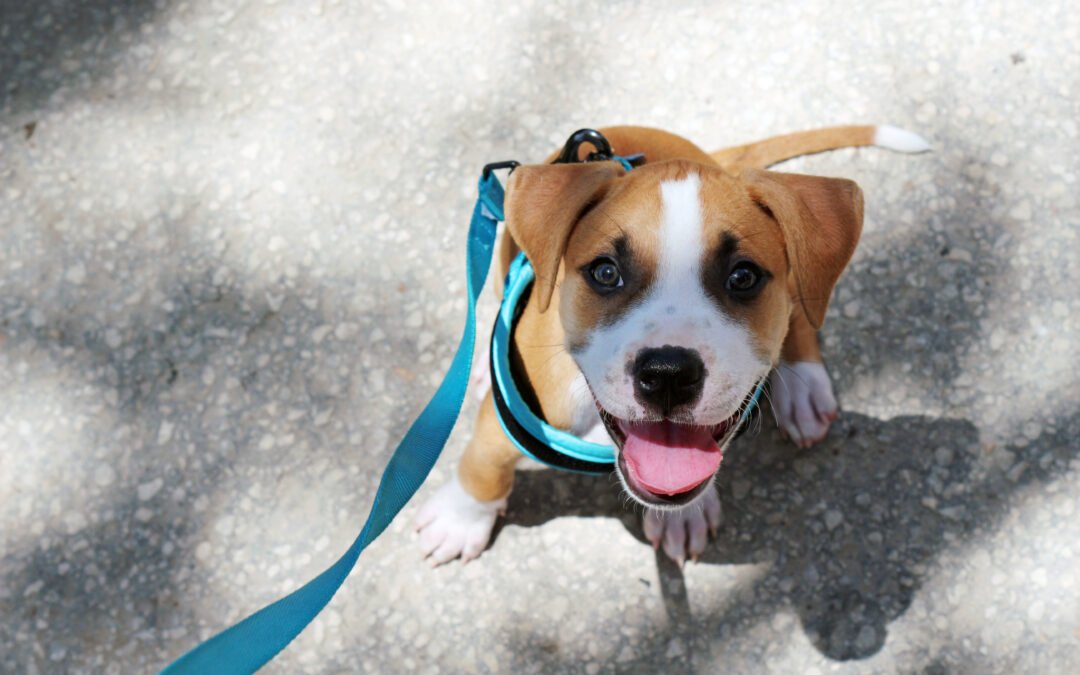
[845,530]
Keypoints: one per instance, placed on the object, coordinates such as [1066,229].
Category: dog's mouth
[668,463]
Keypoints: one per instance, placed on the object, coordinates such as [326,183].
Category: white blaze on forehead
[680,231]
[676,311]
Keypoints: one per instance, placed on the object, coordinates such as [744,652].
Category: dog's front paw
[452,523]
[803,401]
[684,532]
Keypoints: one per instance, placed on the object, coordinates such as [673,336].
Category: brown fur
[821,219]
[763,154]
[549,201]
[629,212]
[759,240]
[487,466]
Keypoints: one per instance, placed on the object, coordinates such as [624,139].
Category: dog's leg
[684,532]
[802,395]
[459,517]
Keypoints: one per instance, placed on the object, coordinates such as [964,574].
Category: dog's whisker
[777,412]
[799,375]
[622,230]
[538,347]
[554,356]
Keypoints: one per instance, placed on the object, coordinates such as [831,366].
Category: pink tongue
[668,458]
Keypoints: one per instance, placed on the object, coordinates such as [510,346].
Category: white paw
[684,532]
[452,523]
[802,401]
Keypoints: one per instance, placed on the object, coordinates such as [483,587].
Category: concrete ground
[231,272]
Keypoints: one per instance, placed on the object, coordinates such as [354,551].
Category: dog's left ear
[821,219]
[543,204]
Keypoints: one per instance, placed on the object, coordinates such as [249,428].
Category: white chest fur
[586,419]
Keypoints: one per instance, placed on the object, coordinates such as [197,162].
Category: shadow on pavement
[45,46]
[846,529]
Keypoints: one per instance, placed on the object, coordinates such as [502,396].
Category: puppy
[663,297]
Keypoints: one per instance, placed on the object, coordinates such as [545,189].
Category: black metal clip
[603,151]
[569,153]
[495,166]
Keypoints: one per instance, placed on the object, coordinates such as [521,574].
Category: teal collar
[533,436]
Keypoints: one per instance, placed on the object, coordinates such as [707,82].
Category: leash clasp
[495,166]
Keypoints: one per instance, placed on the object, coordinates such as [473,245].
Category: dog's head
[677,284]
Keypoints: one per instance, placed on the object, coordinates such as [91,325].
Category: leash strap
[246,646]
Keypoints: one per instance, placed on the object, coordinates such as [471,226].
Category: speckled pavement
[231,272]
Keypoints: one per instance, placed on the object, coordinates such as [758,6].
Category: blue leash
[246,646]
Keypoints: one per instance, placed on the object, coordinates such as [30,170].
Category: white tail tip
[900,140]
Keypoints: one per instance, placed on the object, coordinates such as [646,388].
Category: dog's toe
[684,533]
[697,533]
[803,401]
[654,527]
[713,514]
[449,547]
[453,524]
[675,541]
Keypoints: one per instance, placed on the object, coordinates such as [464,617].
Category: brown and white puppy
[663,296]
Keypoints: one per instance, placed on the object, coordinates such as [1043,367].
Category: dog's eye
[745,280]
[604,274]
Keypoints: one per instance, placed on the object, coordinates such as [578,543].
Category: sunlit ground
[231,271]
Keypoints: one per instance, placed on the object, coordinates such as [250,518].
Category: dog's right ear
[543,204]
[821,219]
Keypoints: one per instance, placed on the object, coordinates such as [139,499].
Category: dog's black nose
[667,377]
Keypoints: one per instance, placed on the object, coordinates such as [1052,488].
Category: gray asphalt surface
[231,272]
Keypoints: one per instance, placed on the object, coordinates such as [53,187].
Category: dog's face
[678,283]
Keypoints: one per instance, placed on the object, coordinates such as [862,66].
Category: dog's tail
[774,150]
